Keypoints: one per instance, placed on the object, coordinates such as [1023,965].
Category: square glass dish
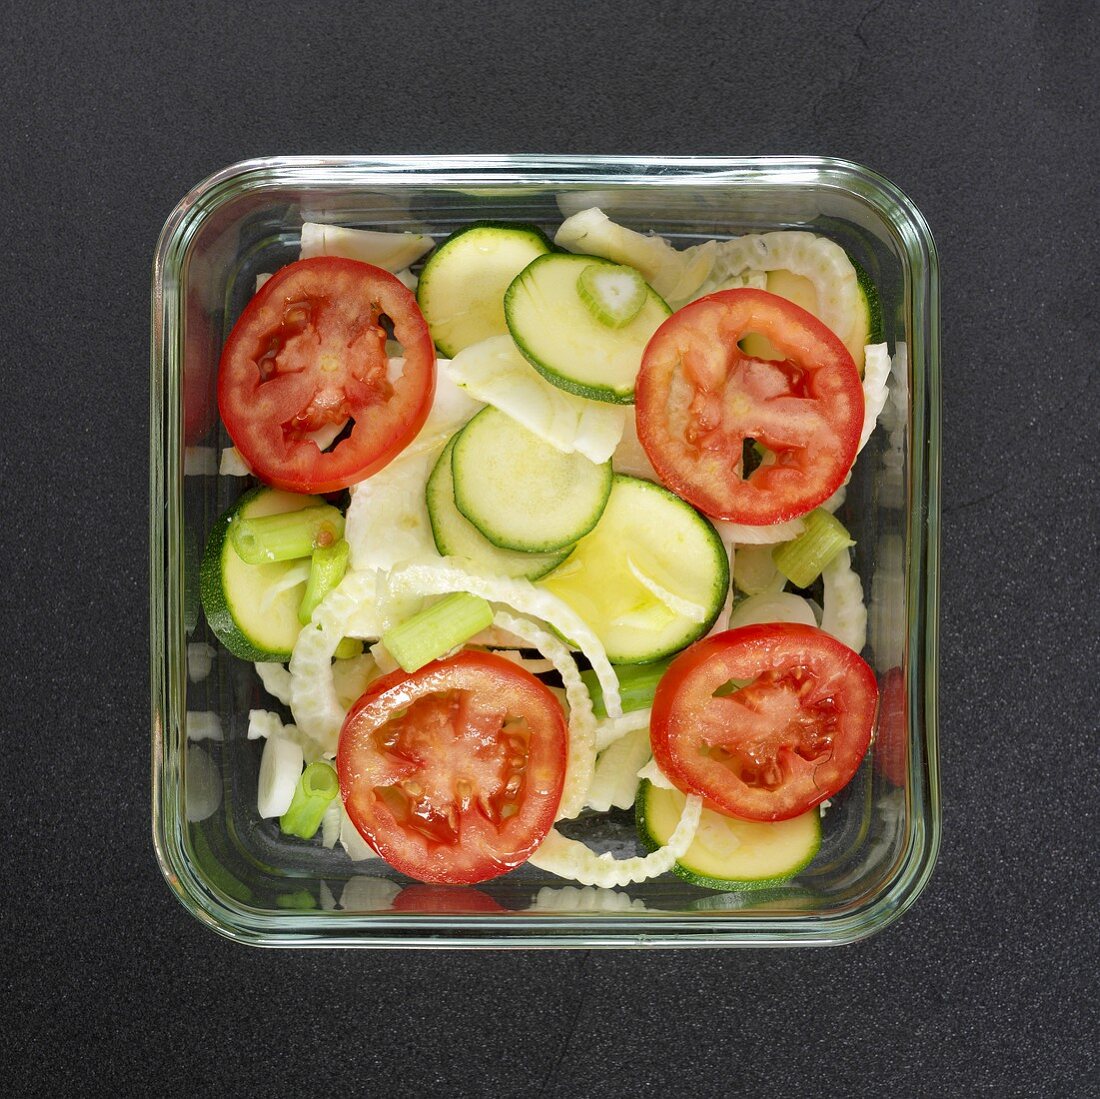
[234,871]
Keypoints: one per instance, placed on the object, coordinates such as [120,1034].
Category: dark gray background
[986,116]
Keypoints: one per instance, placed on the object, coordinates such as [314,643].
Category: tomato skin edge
[665,720]
[323,473]
[651,404]
[386,835]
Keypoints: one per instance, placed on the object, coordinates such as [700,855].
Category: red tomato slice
[453,774]
[698,398]
[778,746]
[309,352]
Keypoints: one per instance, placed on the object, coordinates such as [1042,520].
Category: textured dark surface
[986,116]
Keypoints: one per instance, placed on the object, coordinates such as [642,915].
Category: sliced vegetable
[614,295]
[391,251]
[649,579]
[700,399]
[520,492]
[728,853]
[253,609]
[569,858]
[495,372]
[754,571]
[844,612]
[309,350]
[791,736]
[438,629]
[802,560]
[814,273]
[566,344]
[285,536]
[780,606]
[280,766]
[637,684]
[672,273]
[461,289]
[316,789]
[615,781]
[456,536]
[454,773]
[326,569]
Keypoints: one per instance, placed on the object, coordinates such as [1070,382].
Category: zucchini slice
[519,491]
[461,289]
[650,578]
[728,853]
[253,609]
[562,339]
[456,536]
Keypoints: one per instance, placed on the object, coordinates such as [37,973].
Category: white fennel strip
[615,781]
[581,760]
[876,376]
[611,729]
[276,680]
[444,577]
[844,613]
[391,251]
[572,859]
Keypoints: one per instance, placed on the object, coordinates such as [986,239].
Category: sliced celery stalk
[317,787]
[326,569]
[439,628]
[637,685]
[802,560]
[286,536]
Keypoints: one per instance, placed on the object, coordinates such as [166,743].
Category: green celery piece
[316,788]
[438,629]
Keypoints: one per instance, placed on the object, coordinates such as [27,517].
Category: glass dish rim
[522,930]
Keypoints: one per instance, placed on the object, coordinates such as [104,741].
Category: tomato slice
[699,398]
[309,353]
[791,735]
[453,774]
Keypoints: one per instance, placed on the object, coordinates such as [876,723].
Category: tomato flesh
[454,773]
[308,354]
[764,721]
[699,398]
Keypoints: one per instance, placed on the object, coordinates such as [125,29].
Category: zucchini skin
[704,881]
[876,328]
[215,603]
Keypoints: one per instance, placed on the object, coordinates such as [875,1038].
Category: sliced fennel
[844,614]
[280,766]
[615,781]
[782,606]
[572,859]
[391,251]
[674,274]
[494,372]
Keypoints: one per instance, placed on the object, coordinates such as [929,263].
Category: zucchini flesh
[650,579]
[519,491]
[562,339]
[456,536]
[728,853]
[253,609]
[461,289]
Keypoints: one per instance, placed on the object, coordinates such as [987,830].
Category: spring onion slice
[844,614]
[572,859]
[437,629]
[330,825]
[263,725]
[581,762]
[615,781]
[327,567]
[317,786]
[613,295]
[287,535]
